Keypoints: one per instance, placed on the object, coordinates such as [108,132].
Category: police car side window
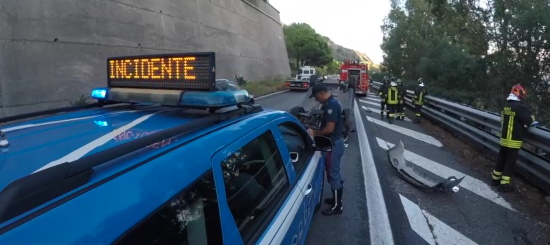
[256,185]
[297,141]
[190,217]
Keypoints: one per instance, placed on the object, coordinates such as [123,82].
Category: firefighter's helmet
[421,82]
[519,91]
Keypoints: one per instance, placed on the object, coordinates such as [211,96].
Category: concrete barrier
[54,51]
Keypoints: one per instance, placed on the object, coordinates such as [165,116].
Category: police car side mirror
[323,143]
[294,157]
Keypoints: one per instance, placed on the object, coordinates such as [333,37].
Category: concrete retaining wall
[53,51]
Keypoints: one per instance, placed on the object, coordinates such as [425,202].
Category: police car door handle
[308,190]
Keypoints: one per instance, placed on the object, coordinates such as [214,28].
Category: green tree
[306,46]
[333,67]
[471,51]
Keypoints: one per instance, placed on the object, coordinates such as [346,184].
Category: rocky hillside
[340,53]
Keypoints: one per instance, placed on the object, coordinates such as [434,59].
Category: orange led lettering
[185,68]
[177,66]
[166,68]
[136,69]
[143,72]
[111,71]
[120,69]
[155,68]
[128,73]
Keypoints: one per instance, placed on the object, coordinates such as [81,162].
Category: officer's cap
[317,89]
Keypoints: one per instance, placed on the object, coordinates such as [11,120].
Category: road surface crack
[432,228]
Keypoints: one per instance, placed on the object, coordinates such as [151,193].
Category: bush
[263,87]
[240,80]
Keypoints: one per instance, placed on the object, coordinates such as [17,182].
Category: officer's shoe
[330,201]
[336,208]
[495,182]
[391,121]
[382,115]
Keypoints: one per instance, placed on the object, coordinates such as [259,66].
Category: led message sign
[193,71]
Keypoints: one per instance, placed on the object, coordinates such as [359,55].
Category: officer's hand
[400,102]
[310,132]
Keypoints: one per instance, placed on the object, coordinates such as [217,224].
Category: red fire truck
[359,71]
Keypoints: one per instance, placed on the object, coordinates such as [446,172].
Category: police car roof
[81,136]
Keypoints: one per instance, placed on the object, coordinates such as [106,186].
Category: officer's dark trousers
[506,162]
[332,165]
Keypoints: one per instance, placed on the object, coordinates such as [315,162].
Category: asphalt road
[477,214]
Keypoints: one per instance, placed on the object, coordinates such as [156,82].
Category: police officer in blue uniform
[331,126]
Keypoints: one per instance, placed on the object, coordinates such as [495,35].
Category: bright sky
[354,24]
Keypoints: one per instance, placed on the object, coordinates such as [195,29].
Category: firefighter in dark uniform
[516,118]
[418,99]
[331,126]
[392,100]
[382,94]
[353,83]
[401,105]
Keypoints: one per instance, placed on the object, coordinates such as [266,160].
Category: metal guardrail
[483,129]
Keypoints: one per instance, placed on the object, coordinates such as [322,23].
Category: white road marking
[32,125]
[419,136]
[80,152]
[445,234]
[378,111]
[269,95]
[472,184]
[418,222]
[441,233]
[380,229]
[375,99]
[370,103]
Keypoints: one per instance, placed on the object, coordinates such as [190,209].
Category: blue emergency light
[99,93]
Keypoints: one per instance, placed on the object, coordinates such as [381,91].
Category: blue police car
[163,157]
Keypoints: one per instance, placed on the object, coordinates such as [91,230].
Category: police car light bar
[215,99]
[185,99]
